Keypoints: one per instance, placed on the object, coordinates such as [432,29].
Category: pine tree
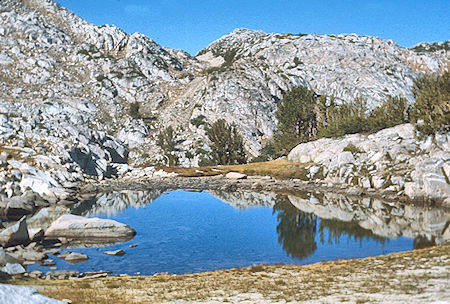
[432,103]
[297,121]
[227,144]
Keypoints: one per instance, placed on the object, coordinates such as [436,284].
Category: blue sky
[193,24]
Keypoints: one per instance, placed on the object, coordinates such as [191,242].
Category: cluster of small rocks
[32,240]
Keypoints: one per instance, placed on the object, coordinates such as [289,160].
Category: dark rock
[36,234]
[6,258]
[16,234]
[18,206]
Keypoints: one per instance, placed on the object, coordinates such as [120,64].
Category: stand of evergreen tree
[431,111]
[304,116]
[167,142]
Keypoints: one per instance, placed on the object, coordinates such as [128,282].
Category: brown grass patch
[282,169]
[361,277]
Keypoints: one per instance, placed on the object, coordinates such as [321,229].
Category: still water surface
[185,232]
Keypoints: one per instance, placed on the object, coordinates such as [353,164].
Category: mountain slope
[137,87]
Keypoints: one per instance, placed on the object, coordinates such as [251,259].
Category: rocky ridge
[139,87]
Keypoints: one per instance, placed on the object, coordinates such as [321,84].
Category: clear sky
[193,24]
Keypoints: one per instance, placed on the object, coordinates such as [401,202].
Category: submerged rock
[75,257]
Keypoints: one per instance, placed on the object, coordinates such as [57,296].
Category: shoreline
[414,276]
[249,183]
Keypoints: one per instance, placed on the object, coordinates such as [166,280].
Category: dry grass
[282,169]
[398,275]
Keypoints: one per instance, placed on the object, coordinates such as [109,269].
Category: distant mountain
[136,87]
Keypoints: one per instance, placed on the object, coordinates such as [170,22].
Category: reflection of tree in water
[297,230]
[337,229]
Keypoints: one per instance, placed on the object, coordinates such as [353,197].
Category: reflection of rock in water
[385,219]
[108,204]
[243,200]
[298,230]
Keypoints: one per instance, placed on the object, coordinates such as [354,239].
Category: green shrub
[432,106]
[101,77]
[227,144]
[297,61]
[346,118]
[394,111]
[303,116]
[189,155]
[352,148]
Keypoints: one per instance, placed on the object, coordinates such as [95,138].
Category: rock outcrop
[16,234]
[393,159]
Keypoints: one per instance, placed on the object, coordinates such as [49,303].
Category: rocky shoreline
[418,276]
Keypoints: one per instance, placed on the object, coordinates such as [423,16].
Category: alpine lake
[189,231]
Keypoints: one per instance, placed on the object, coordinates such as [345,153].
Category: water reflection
[296,230]
[186,231]
[304,216]
[383,219]
[190,231]
[109,204]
